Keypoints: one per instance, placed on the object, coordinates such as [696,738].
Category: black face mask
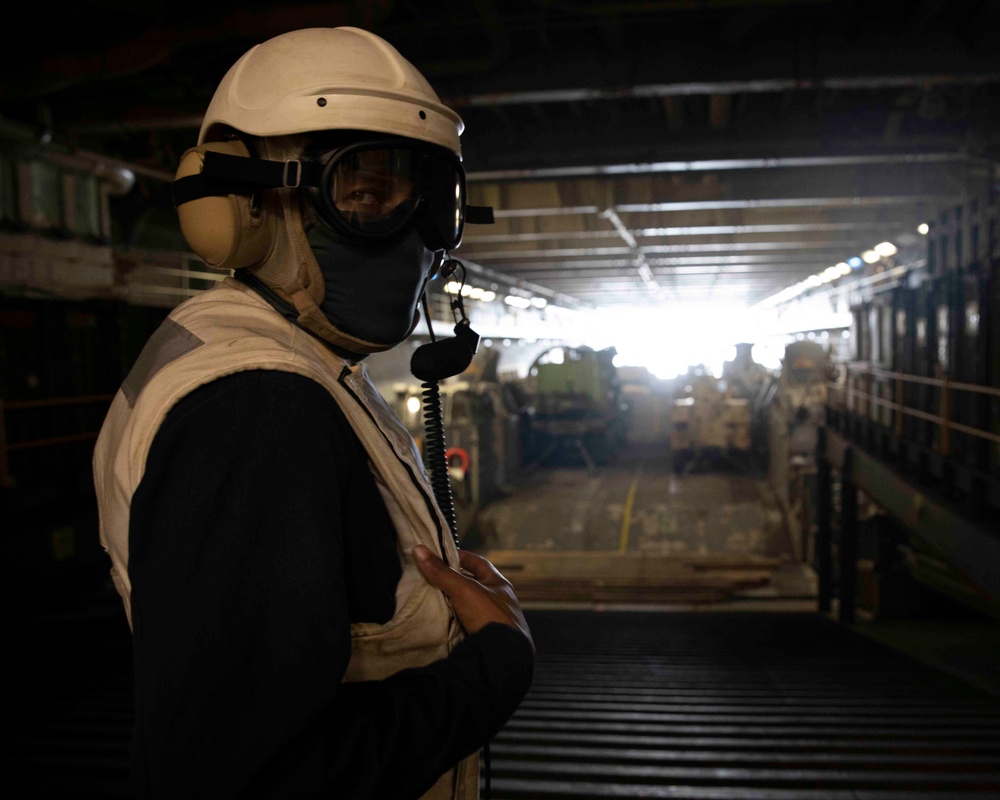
[372,290]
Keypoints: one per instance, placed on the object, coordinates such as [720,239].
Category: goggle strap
[479,215]
[224,174]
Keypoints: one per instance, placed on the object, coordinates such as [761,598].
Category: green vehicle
[577,409]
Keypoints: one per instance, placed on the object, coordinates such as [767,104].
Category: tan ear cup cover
[225,232]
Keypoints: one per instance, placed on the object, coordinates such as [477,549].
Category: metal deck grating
[739,706]
[700,705]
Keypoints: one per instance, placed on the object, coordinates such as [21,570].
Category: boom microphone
[445,358]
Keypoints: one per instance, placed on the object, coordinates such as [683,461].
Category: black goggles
[365,192]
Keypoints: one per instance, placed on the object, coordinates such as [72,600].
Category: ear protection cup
[227,232]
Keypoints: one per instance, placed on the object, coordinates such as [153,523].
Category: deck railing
[856,393]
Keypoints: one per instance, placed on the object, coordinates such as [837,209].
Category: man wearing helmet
[303,625]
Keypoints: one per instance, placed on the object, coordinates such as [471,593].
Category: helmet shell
[319,79]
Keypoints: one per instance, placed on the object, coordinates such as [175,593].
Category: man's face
[370,187]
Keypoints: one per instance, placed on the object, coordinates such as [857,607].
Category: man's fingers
[429,562]
[478,600]
[477,566]
[437,572]
[480,573]
[481,568]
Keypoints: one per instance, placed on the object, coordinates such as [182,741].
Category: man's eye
[363,197]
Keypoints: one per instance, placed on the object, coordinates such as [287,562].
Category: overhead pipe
[117,174]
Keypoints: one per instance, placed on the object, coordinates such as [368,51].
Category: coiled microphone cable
[434,439]
[430,364]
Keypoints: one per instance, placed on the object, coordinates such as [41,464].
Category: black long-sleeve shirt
[257,536]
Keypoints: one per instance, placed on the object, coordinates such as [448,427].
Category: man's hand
[481,597]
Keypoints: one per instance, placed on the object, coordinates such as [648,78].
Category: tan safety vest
[230,328]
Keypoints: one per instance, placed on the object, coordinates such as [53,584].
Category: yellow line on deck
[627,515]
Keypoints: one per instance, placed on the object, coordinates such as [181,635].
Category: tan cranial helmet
[297,83]
[328,79]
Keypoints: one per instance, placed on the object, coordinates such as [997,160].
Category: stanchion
[848,549]
[824,511]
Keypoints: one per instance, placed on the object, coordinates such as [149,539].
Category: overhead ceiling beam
[681,272]
[581,94]
[792,227]
[712,205]
[716,165]
[673,261]
[733,247]
[569,95]
[599,295]
[688,230]
[582,288]
[638,256]
[641,252]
